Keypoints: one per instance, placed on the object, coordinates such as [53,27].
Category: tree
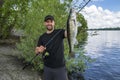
[82,30]
[12,14]
[38,9]
[1,4]
[29,16]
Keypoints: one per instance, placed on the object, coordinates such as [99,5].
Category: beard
[50,28]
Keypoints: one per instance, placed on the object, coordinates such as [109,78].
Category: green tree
[12,14]
[82,30]
[29,15]
[34,26]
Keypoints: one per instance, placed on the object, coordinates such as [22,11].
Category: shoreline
[11,65]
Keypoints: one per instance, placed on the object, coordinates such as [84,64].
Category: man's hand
[40,49]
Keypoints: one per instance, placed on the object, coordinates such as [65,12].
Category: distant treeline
[117,28]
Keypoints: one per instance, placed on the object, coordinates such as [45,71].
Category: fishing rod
[43,52]
[84,5]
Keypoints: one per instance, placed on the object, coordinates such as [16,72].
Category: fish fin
[72,54]
[79,24]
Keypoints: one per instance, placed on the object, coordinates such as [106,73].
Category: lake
[105,48]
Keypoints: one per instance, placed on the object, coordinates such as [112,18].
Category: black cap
[49,17]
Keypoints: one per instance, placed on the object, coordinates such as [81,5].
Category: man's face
[49,24]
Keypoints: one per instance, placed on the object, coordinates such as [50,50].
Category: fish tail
[72,54]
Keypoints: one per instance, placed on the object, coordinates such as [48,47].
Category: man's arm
[65,34]
[39,48]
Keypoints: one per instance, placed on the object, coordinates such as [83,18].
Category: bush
[34,28]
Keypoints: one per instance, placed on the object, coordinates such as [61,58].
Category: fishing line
[84,5]
[52,38]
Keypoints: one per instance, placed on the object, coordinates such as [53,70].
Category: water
[105,48]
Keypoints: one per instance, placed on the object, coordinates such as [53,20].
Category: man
[54,62]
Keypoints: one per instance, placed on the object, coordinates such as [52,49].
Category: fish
[72,29]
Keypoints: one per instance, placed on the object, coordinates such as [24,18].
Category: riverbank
[11,66]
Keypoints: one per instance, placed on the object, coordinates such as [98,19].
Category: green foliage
[82,20]
[82,30]
[12,14]
[34,26]
[29,16]
[76,64]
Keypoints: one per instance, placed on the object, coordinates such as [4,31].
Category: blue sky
[102,13]
[112,5]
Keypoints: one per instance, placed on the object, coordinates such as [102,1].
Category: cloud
[97,0]
[99,18]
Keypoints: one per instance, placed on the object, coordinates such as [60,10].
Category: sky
[102,14]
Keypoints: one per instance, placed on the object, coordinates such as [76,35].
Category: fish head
[72,14]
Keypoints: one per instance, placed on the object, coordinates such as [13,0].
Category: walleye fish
[72,29]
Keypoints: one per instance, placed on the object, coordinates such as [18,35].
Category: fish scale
[72,30]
